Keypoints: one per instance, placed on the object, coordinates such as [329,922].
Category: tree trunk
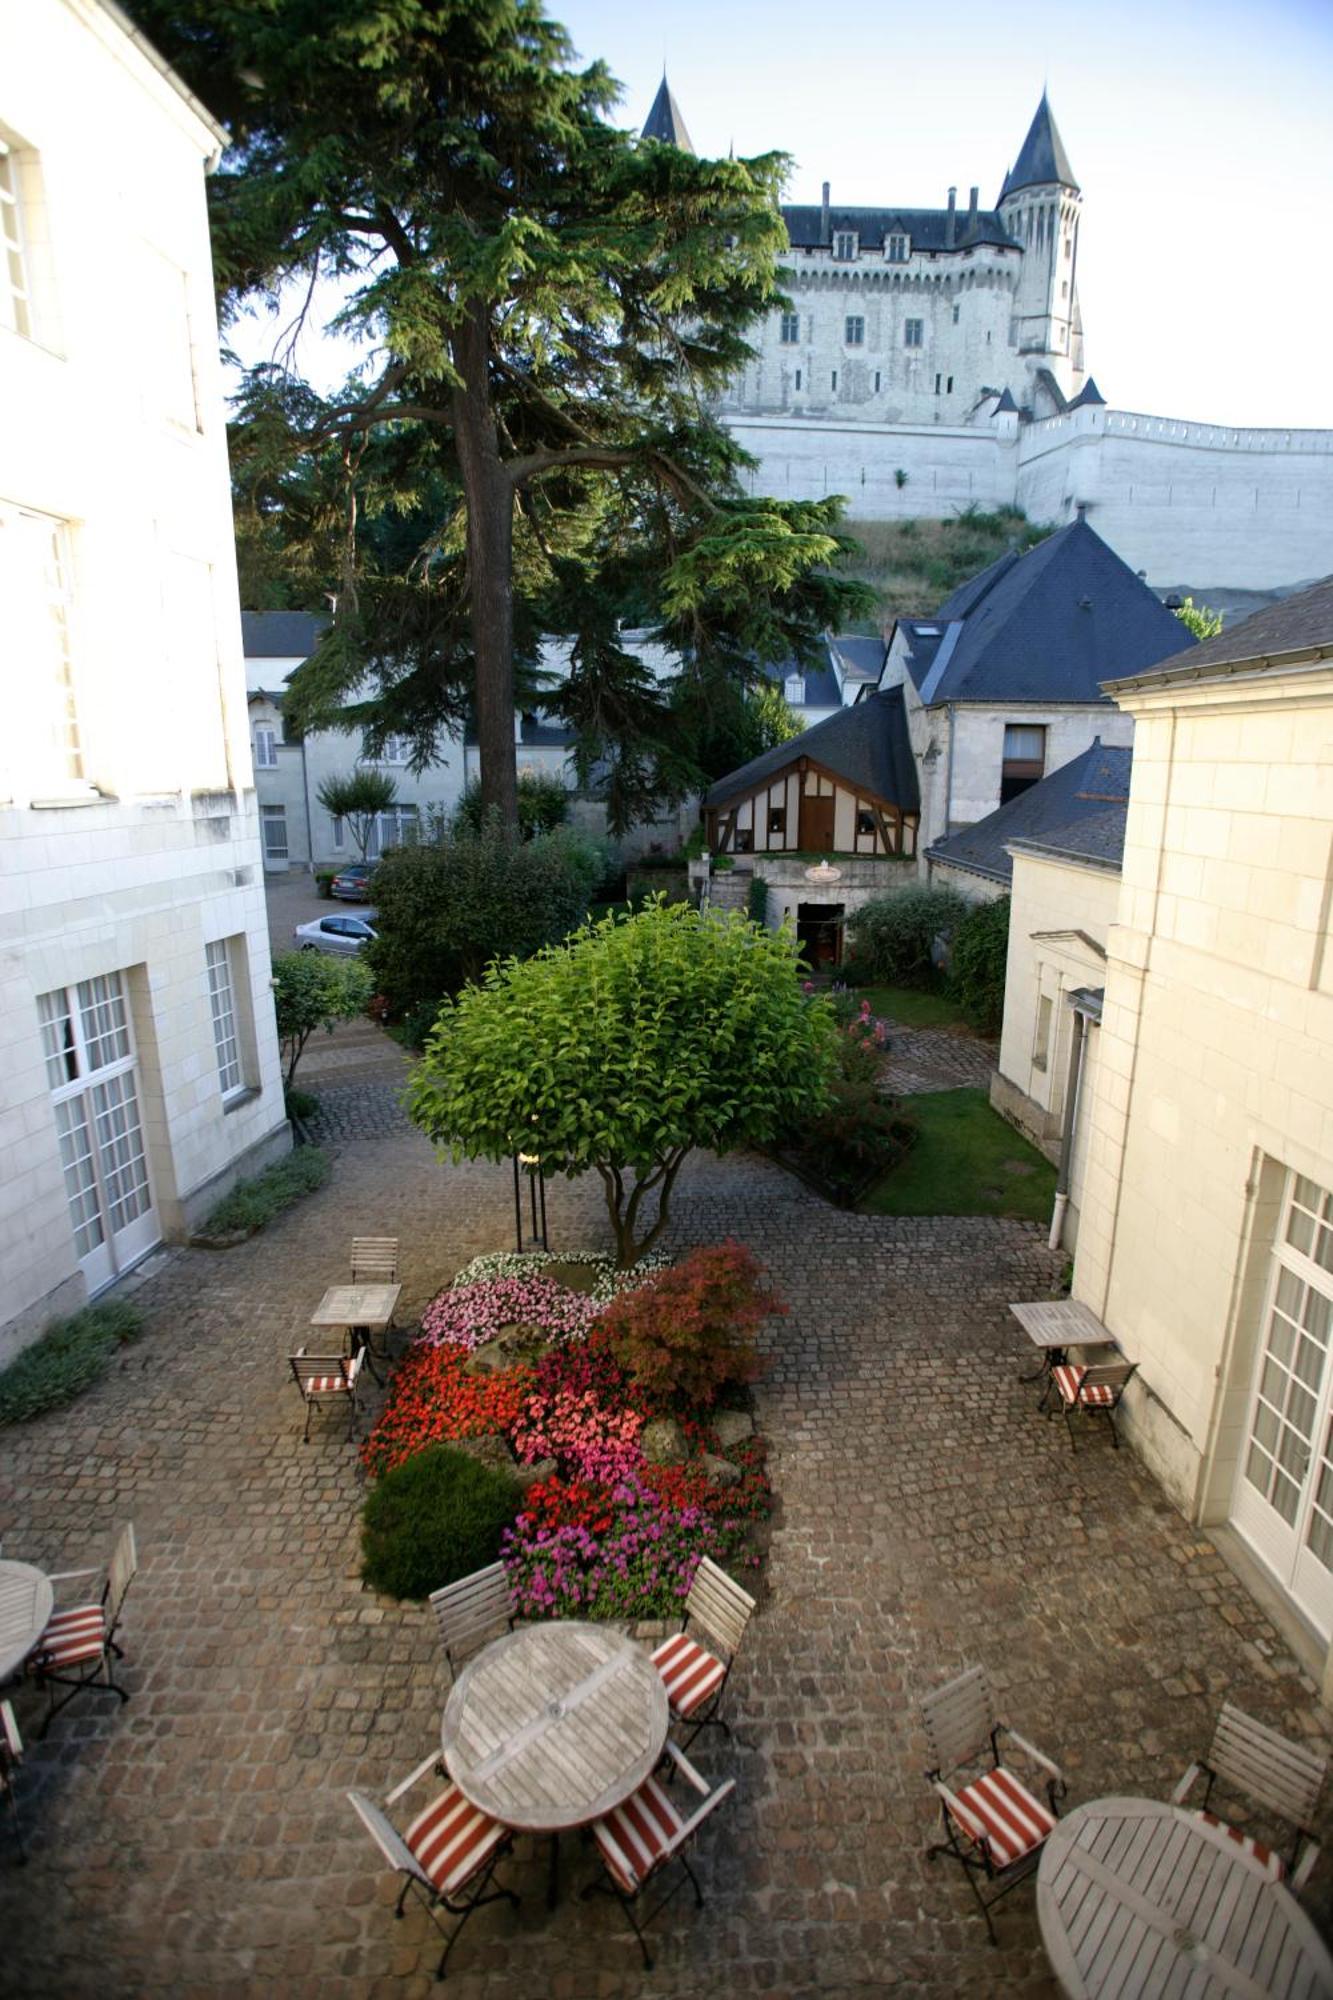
[490,546]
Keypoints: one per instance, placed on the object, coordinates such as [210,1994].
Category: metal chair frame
[963,1727]
[120,1572]
[308,1368]
[1112,1375]
[402,1860]
[11,1756]
[1284,1778]
[673,1851]
[472,1608]
[718,1606]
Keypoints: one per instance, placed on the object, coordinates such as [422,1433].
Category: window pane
[273,822]
[102,1019]
[1024,743]
[76,1158]
[224,1015]
[62,1063]
[120,1150]
[14,296]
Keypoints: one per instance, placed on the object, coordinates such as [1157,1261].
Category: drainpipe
[1073,1090]
[948,774]
[309,822]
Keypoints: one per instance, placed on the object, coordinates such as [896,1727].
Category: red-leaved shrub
[689,1333]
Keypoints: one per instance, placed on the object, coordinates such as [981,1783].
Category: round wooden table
[26,1599]
[1137,1898]
[552,1726]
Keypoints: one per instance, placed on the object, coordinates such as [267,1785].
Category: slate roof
[1049,626]
[1302,623]
[1079,810]
[862,658]
[280,635]
[664,121]
[926,227]
[820,684]
[866,746]
[1006,406]
[1087,395]
[1043,159]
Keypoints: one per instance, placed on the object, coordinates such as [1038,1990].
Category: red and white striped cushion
[642,1829]
[1069,1381]
[691,1674]
[1011,1819]
[73,1636]
[325,1385]
[1272,1864]
[452,1840]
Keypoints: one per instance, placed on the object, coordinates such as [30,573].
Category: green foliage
[543,805]
[1199,619]
[256,1201]
[913,565]
[978,952]
[966,1161]
[689,1332]
[313,990]
[547,304]
[358,798]
[860,1135]
[620,1051]
[433,1519]
[324,880]
[300,1104]
[448,907]
[756,900]
[723,726]
[68,1357]
[892,936]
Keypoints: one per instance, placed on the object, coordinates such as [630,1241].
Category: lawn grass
[913,1006]
[967,1161]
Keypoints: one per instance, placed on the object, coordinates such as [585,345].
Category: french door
[1283,1503]
[88,1042]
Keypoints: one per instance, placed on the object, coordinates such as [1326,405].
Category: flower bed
[605,1534]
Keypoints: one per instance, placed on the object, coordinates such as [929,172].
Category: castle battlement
[1047,433]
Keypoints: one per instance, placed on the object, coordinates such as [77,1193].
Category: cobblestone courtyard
[197,1842]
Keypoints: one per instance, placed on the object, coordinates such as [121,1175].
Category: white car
[344,934]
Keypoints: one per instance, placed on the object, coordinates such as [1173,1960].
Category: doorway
[819,933]
[817,823]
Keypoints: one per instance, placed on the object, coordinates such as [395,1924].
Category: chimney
[951,220]
[972,207]
[823,217]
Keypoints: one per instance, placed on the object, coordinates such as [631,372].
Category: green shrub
[448,907]
[252,1203]
[69,1357]
[857,1139]
[300,1104]
[892,936]
[756,900]
[324,880]
[543,805]
[434,1518]
[978,953]
[689,1332]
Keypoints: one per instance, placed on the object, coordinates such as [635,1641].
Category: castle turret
[664,121]
[1040,205]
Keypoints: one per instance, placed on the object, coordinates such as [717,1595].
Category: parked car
[352,884]
[344,934]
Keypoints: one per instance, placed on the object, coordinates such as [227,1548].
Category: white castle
[933,359]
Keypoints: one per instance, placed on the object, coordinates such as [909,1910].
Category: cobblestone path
[197,1841]
[935,1059]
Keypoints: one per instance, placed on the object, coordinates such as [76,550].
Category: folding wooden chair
[471,1609]
[447,1854]
[374,1260]
[11,1756]
[993,1824]
[1094,1390]
[695,1676]
[327,1381]
[639,1839]
[1282,1777]
[79,1641]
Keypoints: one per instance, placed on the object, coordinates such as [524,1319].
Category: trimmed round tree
[621,1050]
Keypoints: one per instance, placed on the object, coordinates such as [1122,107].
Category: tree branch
[610,458]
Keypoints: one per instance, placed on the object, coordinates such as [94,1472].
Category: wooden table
[26,1600]
[363,1309]
[1055,1325]
[1137,1899]
[552,1726]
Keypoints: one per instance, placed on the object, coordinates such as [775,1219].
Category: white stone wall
[948,468]
[114,431]
[1216,1062]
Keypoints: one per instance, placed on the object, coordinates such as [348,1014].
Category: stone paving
[196,1842]
[937,1059]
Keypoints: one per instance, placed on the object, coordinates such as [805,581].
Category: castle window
[897,247]
[956,311]
[1024,759]
[833,379]
[938,380]
[948,386]
[1064,288]
[844,247]
[854,333]
[912,330]
[1069,246]
[790,331]
[877,381]
[798,378]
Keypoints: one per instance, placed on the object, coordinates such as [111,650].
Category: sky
[1199,131]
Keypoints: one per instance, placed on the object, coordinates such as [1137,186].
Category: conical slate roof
[1043,160]
[1089,393]
[664,121]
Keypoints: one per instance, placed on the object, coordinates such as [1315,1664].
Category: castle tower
[1039,206]
[664,121]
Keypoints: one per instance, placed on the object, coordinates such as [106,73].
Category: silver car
[344,934]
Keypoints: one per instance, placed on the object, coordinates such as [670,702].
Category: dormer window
[844,247]
[897,248]
[794,690]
